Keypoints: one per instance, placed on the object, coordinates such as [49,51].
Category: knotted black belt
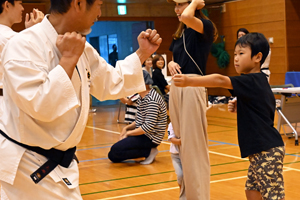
[55,157]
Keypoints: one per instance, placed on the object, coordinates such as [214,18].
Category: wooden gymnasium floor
[101,179]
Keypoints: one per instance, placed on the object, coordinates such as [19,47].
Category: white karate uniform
[266,65]
[43,107]
[6,33]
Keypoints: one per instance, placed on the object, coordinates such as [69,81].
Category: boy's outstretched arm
[210,81]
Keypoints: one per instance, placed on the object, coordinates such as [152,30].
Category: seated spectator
[141,138]
[159,80]
[147,65]
[131,107]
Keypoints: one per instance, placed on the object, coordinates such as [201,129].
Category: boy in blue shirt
[258,139]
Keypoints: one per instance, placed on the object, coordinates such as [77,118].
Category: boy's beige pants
[188,117]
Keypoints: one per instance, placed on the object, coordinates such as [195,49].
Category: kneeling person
[141,138]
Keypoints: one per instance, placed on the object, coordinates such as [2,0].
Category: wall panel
[267,17]
[279,19]
[27,9]
[292,31]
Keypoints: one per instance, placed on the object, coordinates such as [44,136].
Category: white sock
[151,157]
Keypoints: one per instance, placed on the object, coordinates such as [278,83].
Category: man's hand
[181,80]
[149,41]
[71,46]
[174,68]
[36,16]
[232,105]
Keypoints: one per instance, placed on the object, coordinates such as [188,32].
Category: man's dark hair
[3,1]
[257,43]
[241,30]
[62,6]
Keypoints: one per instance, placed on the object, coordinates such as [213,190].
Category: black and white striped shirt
[152,116]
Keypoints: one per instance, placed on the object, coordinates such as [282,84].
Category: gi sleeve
[42,93]
[108,82]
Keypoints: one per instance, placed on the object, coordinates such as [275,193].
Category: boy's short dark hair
[62,6]
[257,43]
[3,1]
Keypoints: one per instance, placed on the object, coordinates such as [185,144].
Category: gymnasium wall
[265,16]
[163,16]
[279,19]
[165,26]
[292,32]
[27,9]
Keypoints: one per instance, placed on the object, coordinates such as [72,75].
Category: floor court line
[212,152]
[165,189]
[172,188]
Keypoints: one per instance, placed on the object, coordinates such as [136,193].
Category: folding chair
[120,108]
[287,111]
[157,90]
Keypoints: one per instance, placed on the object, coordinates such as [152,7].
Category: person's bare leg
[253,195]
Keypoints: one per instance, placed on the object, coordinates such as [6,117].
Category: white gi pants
[47,189]
[188,117]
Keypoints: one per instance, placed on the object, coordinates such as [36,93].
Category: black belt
[55,157]
[264,68]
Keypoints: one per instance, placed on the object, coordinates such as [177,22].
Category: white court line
[136,194]
[171,188]
[100,129]
[226,155]
[169,143]
[291,169]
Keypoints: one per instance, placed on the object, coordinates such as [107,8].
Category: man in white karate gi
[49,74]
[10,14]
